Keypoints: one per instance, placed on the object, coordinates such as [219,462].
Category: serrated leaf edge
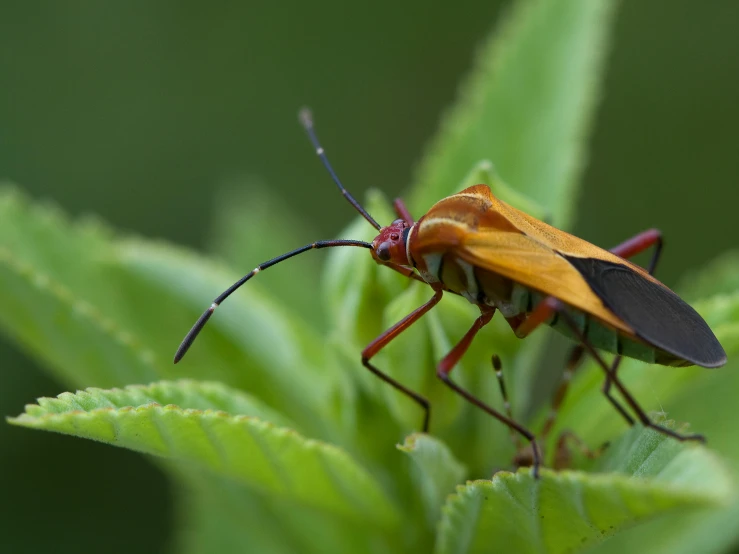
[390,517]
[78,306]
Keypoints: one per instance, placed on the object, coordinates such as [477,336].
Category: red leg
[498,367]
[606,389]
[380,342]
[543,313]
[446,365]
[402,211]
[450,360]
[562,458]
[630,400]
[639,243]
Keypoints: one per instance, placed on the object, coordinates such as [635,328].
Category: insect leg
[631,247]
[541,314]
[380,342]
[498,367]
[606,389]
[546,309]
[402,211]
[630,400]
[524,456]
[407,272]
[450,360]
[639,243]
[562,458]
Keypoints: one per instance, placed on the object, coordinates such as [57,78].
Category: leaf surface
[248,450]
[527,105]
[570,511]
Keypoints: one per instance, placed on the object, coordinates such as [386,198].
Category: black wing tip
[715,363]
[711,356]
[657,315]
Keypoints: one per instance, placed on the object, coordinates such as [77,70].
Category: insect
[501,259]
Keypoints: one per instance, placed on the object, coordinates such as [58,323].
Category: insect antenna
[203,319]
[306,118]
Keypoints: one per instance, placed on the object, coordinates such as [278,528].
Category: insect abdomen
[512,299]
[605,338]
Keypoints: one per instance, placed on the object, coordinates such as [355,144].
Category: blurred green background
[140,111]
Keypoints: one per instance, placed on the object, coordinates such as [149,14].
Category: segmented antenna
[306,118]
[203,319]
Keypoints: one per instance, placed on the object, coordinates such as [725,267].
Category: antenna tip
[306,117]
[179,354]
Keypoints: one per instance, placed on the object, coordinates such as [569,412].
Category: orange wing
[528,262]
[492,235]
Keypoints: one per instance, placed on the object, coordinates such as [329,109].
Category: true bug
[500,258]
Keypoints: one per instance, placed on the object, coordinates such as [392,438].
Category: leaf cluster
[277,440]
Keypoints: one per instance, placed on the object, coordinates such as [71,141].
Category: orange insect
[500,258]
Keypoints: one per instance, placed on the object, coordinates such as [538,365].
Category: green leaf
[721,275]
[709,403]
[527,106]
[705,531]
[213,513]
[252,224]
[217,515]
[252,341]
[438,471]
[705,398]
[52,289]
[569,511]
[196,395]
[484,173]
[117,313]
[646,453]
[247,450]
